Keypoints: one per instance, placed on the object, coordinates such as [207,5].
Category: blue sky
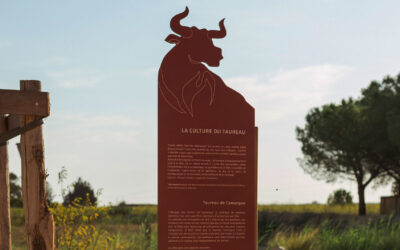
[99,61]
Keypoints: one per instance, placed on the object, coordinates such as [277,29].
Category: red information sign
[207,163]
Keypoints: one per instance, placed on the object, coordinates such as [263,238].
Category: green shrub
[340,197]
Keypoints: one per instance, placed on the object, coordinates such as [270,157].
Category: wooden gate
[21,113]
[390,205]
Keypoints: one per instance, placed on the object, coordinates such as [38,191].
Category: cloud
[150,71]
[101,121]
[80,129]
[280,95]
[55,61]
[5,44]
[76,78]
[112,152]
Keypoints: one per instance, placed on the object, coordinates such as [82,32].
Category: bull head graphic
[182,74]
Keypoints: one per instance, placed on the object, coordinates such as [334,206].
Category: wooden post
[39,221]
[5,222]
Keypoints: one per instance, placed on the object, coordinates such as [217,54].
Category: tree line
[79,189]
[357,139]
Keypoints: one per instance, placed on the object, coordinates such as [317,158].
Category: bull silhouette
[183,76]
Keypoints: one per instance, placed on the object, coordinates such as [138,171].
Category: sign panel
[207,173]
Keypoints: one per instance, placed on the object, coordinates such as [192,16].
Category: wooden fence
[21,113]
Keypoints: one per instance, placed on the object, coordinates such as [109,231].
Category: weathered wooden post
[5,222]
[38,219]
[21,113]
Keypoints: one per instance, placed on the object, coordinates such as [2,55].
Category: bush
[340,197]
[76,228]
[121,209]
[15,191]
[80,189]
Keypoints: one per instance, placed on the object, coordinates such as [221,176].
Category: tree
[15,191]
[333,142]
[396,188]
[80,189]
[381,104]
[49,193]
[340,197]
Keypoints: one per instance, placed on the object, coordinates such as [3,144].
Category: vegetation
[49,193]
[357,139]
[135,227]
[383,234]
[331,142]
[340,197]
[381,102]
[80,190]
[136,214]
[87,226]
[76,228]
[295,218]
[350,209]
[396,188]
[15,191]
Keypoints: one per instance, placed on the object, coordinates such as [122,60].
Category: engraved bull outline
[198,48]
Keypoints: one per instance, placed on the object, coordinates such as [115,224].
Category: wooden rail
[24,103]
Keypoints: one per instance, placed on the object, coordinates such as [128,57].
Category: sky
[99,61]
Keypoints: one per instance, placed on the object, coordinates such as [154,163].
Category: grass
[308,226]
[372,208]
[130,236]
[383,234]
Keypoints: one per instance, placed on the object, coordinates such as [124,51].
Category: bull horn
[176,24]
[221,33]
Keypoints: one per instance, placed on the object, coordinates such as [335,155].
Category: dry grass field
[309,226]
